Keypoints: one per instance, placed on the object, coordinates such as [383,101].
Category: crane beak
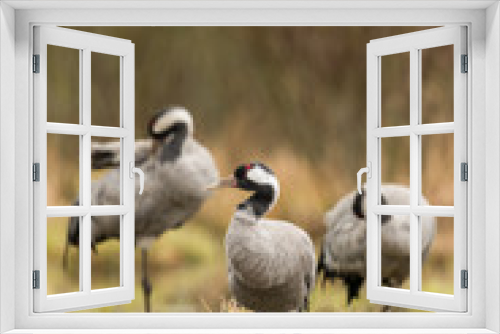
[227,182]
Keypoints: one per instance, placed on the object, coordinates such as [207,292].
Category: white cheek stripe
[260,176]
[177,114]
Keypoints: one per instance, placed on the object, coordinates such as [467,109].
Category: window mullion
[415,131]
[85,167]
[414,169]
[81,259]
[419,165]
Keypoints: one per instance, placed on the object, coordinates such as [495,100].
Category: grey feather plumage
[271,264]
[343,253]
[173,192]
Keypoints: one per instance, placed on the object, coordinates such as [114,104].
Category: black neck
[260,202]
[172,148]
[358,204]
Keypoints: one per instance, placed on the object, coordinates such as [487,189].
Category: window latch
[139,171]
[368,171]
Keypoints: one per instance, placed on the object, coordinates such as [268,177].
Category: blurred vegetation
[293,97]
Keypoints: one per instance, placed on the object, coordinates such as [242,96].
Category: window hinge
[36,63]
[36,279]
[465,279]
[465,64]
[464,171]
[36,172]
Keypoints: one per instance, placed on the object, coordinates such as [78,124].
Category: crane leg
[393,282]
[146,283]
[65,257]
[386,308]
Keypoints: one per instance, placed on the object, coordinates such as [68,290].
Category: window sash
[413,43]
[86,43]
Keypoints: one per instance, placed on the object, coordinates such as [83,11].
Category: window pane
[63,85]
[437,258]
[395,162]
[106,181]
[395,250]
[63,170]
[395,95]
[106,252]
[63,255]
[437,84]
[105,90]
[437,169]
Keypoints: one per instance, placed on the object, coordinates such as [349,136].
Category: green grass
[188,273]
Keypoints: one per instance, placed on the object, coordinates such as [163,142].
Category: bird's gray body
[177,174]
[344,244]
[173,192]
[271,264]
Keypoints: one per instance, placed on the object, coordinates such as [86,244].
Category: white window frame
[483,21]
[85,44]
[414,43]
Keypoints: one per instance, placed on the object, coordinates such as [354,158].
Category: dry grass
[188,267]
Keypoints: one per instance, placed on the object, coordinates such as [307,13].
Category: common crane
[343,251]
[178,170]
[271,263]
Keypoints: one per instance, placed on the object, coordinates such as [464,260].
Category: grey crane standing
[343,251]
[178,172]
[271,264]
